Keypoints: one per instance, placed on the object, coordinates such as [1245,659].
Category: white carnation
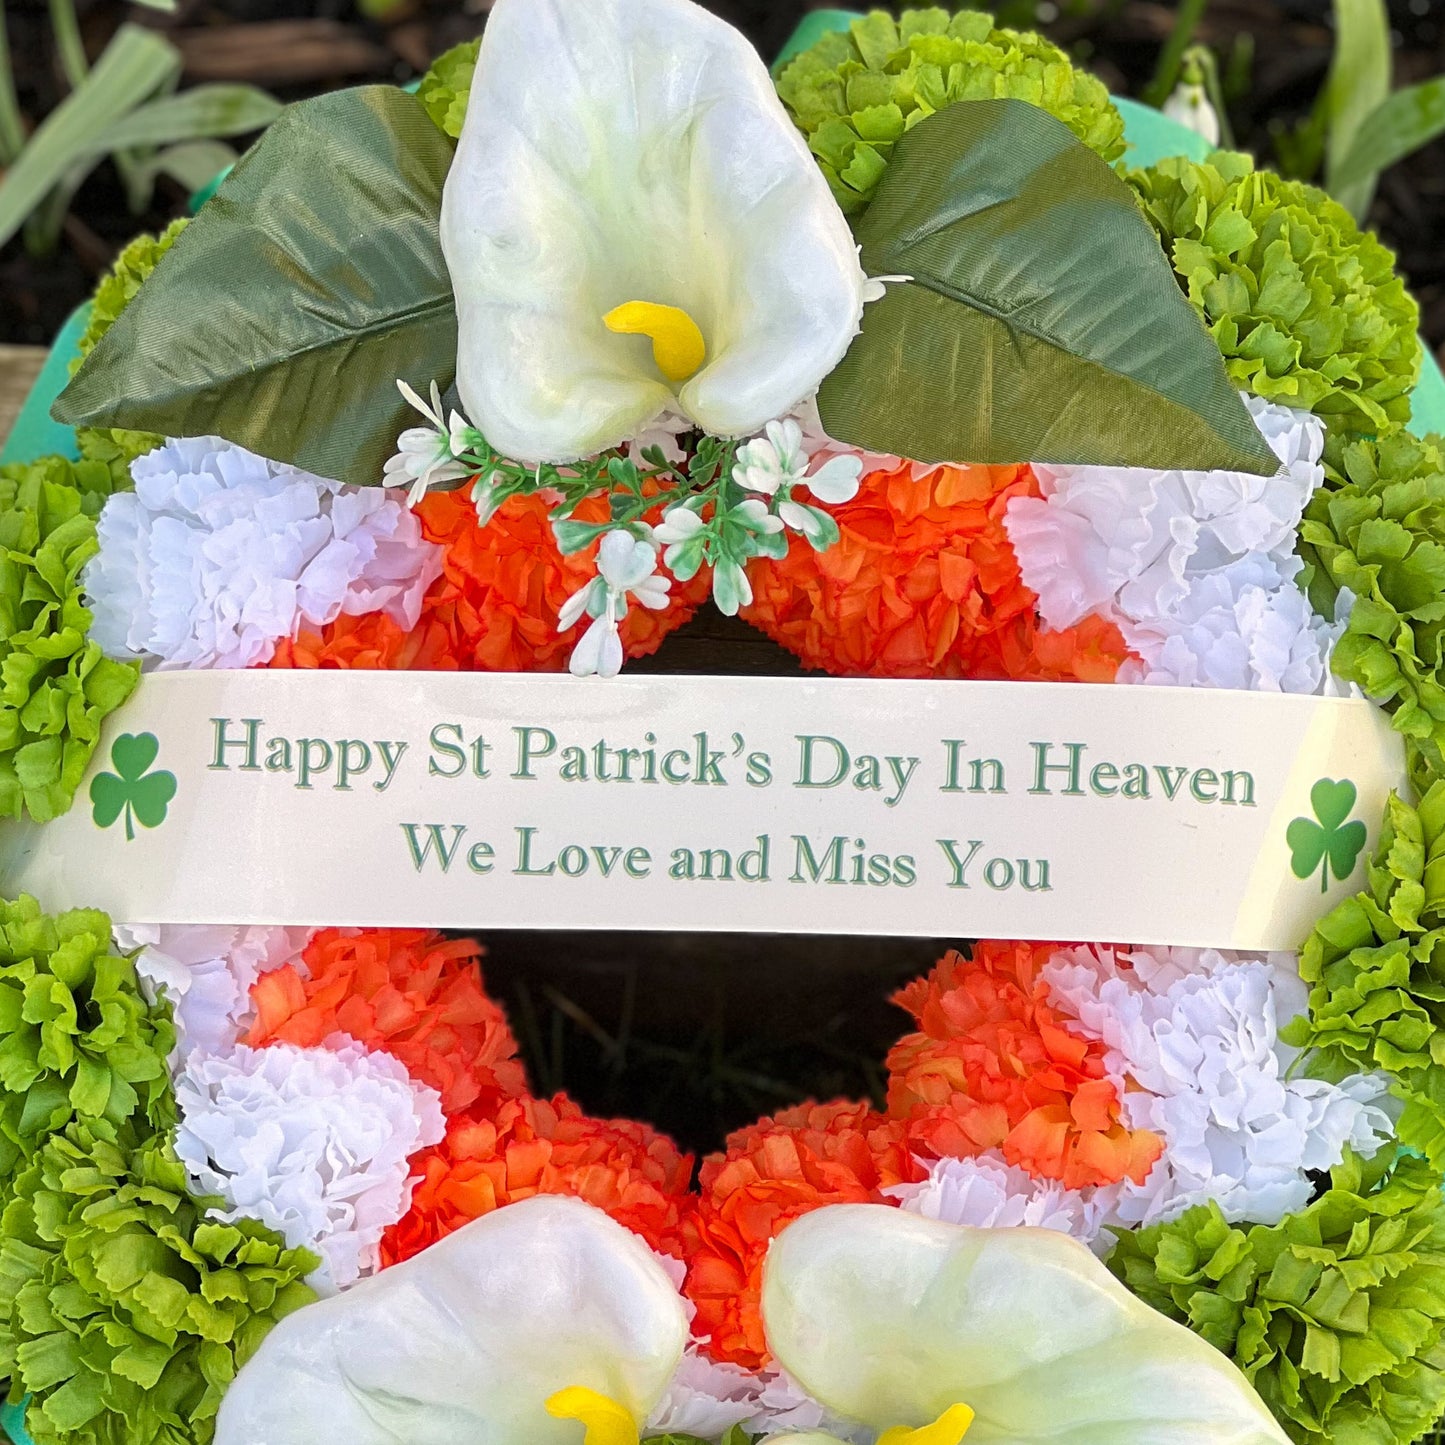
[1246,626]
[1128,542]
[313,1142]
[708,1397]
[988,1193]
[206,973]
[1192,1035]
[218,554]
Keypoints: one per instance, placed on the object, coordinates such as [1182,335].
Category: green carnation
[1379,530]
[445,87]
[78,1041]
[56,686]
[115,292]
[1375,966]
[855,93]
[125,1311]
[1335,1315]
[1306,307]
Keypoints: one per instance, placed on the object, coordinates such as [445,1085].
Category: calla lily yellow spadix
[894,1320]
[677,344]
[948,1429]
[626,167]
[544,1301]
[604,1420]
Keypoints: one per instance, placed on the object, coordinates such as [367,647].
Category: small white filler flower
[426,456]
[626,566]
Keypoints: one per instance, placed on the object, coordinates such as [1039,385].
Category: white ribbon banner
[958,809]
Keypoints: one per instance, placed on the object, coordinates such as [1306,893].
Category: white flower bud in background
[1190,106]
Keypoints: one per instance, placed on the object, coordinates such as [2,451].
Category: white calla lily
[928,1332]
[634,228]
[508,1332]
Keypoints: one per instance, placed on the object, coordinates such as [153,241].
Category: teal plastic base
[12,1422]
[34,434]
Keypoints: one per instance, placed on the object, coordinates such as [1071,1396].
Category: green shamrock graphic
[1327,842]
[130,790]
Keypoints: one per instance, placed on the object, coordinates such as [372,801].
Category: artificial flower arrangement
[900,360]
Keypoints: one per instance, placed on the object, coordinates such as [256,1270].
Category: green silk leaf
[1041,321]
[326,235]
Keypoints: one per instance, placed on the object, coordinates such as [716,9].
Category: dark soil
[698,1033]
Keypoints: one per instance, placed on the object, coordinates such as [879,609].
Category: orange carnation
[503,585]
[495,606]
[535,1147]
[923,583]
[773,1172]
[993,1067]
[414,994]
[375,640]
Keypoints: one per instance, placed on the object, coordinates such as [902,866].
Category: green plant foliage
[445,88]
[326,235]
[1378,529]
[1398,126]
[1039,318]
[1335,1315]
[1307,308]
[856,93]
[122,107]
[78,1041]
[1358,82]
[1375,966]
[56,686]
[124,1311]
[116,291]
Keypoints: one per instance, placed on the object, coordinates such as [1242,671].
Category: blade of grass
[1186,22]
[66,27]
[205,112]
[134,165]
[12,127]
[1407,120]
[44,224]
[193,163]
[134,66]
[1358,84]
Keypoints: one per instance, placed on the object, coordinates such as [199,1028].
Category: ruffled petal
[989,1193]
[1128,543]
[313,1142]
[219,554]
[207,973]
[1194,1034]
